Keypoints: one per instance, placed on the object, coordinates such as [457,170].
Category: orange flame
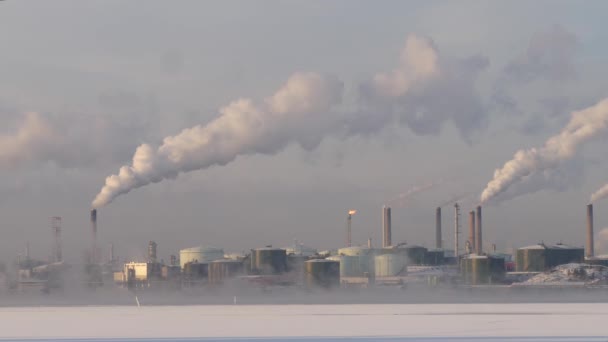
[352,212]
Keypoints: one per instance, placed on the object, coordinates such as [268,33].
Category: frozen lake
[403,322]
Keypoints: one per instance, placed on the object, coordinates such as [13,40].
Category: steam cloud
[583,126]
[410,92]
[601,193]
[35,139]
[300,112]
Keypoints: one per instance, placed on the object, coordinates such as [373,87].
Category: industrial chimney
[94,236]
[472,241]
[478,237]
[438,242]
[386,227]
[589,253]
[152,252]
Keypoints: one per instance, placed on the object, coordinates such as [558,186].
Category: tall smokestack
[456,228]
[478,237]
[589,253]
[152,252]
[349,234]
[438,242]
[386,227]
[472,241]
[94,236]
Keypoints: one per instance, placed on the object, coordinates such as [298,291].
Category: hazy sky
[83,83]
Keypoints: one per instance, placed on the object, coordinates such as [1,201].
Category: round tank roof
[202,249]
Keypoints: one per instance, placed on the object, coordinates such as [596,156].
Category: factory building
[541,257]
[140,273]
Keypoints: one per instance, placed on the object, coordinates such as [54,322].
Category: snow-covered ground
[435,322]
[571,274]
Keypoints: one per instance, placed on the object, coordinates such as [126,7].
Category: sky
[300,111]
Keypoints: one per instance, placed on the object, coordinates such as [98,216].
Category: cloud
[423,92]
[550,56]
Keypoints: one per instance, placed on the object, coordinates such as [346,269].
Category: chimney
[478,237]
[94,236]
[589,253]
[438,242]
[472,241]
[152,252]
[386,227]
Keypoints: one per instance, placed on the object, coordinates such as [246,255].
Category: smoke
[527,164]
[601,241]
[299,112]
[34,140]
[601,193]
[402,197]
[423,92]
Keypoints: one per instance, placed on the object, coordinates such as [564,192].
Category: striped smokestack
[438,243]
[472,241]
[478,237]
[589,253]
[386,227]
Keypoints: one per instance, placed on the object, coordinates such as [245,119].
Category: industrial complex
[398,265]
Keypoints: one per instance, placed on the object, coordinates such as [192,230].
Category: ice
[404,322]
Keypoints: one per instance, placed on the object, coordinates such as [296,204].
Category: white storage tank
[357,261]
[201,255]
[390,265]
[349,265]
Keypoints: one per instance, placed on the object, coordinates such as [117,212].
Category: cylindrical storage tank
[416,255]
[201,255]
[482,269]
[435,257]
[322,273]
[390,265]
[195,271]
[295,263]
[357,261]
[349,265]
[268,261]
[531,259]
[224,269]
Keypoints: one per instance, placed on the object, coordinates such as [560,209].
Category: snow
[315,322]
[571,274]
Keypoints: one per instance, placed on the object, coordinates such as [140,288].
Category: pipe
[386,227]
[589,253]
[438,242]
[478,237]
[472,241]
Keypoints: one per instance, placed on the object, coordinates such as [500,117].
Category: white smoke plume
[416,189]
[35,139]
[584,125]
[601,241]
[601,193]
[299,112]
